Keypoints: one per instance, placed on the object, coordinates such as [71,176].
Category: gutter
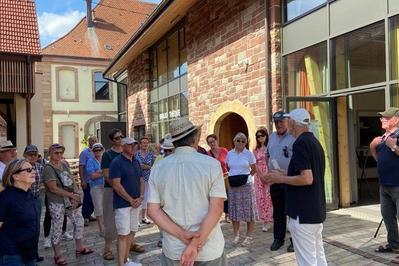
[267,68]
[153,16]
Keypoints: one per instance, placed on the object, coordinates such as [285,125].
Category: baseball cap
[390,112]
[56,146]
[31,148]
[278,116]
[128,141]
[97,146]
[299,115]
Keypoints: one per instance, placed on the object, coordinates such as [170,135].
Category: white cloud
[53,26]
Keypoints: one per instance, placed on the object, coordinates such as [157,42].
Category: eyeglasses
[285,151]
[118,137]
[29,170]
[260,136]
[241,140]
[97,150]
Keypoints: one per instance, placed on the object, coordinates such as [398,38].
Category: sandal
[84,251]
[107,255]
[386,249]
[137,248]
[247,241]
[59,260]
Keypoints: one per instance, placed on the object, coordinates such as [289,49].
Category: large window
[358,57]
[306,71]
[394,47]
[169,82]
[296,8]
[101,86]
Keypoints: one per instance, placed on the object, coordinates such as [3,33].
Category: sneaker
[132,263]
[47,242]
[67,236]
[236,240]
[266,227]
[145,221]
[276,244]
[247,241]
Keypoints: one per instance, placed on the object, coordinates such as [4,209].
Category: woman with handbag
[19,215]
[63,198]
[220,154]
[242,203]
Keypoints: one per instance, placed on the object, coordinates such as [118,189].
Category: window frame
[93,85]
[57,77]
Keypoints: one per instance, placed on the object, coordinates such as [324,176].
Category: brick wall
[138,93]
[226,57]
[45,87]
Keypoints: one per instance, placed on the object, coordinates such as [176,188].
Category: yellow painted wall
[79,119]
[85,86]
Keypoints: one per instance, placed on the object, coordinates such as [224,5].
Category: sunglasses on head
[118,137]
[29,170]
[241,140]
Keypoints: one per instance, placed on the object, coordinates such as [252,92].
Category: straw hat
[6,145]
[181,128]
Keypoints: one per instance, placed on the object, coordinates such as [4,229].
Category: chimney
[88,15]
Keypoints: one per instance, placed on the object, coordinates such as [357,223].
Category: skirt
[242,203]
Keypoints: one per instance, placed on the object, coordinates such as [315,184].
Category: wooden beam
[343,152]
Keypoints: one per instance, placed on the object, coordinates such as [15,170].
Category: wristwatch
[394,148]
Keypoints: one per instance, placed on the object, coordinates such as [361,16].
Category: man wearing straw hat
[186,201]
[7,154]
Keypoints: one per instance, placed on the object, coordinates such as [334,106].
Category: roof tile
[114,22]
[18,27]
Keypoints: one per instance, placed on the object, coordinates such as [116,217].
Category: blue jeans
[389,200]
[15,260]
[88,207]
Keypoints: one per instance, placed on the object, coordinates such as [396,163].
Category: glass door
[323,122]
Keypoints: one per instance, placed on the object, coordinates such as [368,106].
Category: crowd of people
[180,186]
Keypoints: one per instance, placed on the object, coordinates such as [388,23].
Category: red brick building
[203,59]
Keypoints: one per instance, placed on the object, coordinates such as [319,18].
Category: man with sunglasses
[385,151]
[279,151]
[30,154]
[85,155]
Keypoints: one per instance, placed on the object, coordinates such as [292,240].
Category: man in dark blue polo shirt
[128,185]
[385,151]
[305,197]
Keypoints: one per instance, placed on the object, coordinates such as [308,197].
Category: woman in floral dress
[262,190]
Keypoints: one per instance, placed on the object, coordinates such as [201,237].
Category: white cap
[299,115]
[128,141]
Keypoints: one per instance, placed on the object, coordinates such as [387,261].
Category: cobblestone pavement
[348,240]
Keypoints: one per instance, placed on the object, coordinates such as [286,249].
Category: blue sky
[57,17]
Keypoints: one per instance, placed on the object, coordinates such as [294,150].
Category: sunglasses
[97,150]
[32,154]
[260,136]
[29,170]
[168,151]
[241,140]
[118,137]
[285,152]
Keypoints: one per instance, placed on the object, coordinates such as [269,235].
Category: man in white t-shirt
[186,198]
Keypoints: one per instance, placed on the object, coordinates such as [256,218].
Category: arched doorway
[229,126]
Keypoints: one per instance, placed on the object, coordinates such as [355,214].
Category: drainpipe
[267,70]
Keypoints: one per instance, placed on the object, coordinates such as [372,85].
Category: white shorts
[97,195]
[146,191]
[127,220]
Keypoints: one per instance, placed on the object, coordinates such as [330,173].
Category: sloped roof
[114,22]
[18,27]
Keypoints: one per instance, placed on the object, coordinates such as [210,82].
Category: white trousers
[308,243]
